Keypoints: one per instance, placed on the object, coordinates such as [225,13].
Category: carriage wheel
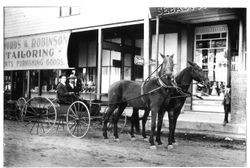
[39,115]
[121,123]
[21,108]
[78,119]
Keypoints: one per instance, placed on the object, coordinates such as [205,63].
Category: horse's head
[198,74]
[167,66]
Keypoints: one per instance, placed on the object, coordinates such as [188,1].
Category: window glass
[49,80]
[209,36]
[34,85]
[64,11]
[75,10]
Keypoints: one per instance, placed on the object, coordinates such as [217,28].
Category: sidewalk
[205,123]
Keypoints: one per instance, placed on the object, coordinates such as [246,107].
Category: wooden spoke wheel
[39,115]
[121,123]
[78,119]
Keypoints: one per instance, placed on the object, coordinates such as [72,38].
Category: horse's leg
[154,112]
[106,117]
[171,128]
[159,126]
[176,115]
[144,120]
[134,117]
[116,119]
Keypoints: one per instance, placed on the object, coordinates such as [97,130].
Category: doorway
[211,54]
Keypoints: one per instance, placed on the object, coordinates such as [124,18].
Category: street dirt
[59,149]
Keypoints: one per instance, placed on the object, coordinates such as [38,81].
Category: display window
[211,55]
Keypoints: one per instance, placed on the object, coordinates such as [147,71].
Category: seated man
[71,86]
[63,95]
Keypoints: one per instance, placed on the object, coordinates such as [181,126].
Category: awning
[43,51]
[194,15]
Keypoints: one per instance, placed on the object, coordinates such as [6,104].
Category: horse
[149,95]
[182,82]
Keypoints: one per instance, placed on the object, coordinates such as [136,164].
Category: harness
[162,85]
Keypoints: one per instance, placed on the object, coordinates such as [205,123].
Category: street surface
[59,149]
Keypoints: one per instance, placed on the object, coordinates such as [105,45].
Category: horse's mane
[181,75]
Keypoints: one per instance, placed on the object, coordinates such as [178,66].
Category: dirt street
[60,149]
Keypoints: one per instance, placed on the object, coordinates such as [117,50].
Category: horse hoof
[170,147]
[117,140]
[133,139]
[175,143]
[153,147]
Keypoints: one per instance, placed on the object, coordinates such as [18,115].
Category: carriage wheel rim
[77,119]
[42,121]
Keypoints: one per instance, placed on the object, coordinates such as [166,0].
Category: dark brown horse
[177,100]
[149,95]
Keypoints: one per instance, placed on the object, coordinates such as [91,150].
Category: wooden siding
[21,21]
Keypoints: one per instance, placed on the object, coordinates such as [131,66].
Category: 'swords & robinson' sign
[43,51]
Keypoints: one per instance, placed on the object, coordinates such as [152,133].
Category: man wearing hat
[64,95]
[71,87]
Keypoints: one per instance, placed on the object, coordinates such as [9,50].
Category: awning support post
[99,64]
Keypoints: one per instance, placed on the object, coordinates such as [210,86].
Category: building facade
[104,48]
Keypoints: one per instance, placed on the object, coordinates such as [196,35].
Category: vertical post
[28,84]
[241,57]
[146,47]
[157,42]
[12,84]
[99,64]
[40,85]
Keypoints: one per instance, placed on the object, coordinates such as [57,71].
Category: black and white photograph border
[124,83]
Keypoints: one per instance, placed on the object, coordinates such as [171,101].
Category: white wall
[19,21]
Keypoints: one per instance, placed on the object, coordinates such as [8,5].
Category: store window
[34,82]
[88,66]
[168,45]
[127,66]
[49,81]
[89,79]
[44,82]
[111,68]
[7,85]
[211,54]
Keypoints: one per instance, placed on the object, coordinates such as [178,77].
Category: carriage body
[40,115]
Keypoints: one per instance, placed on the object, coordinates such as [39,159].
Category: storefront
[215,39]
[34,63]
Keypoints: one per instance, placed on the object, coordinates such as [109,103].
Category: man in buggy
[67,93]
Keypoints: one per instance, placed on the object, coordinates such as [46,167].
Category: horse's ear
[163,56]
[191,63]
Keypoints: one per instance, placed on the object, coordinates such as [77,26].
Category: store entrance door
[210,53]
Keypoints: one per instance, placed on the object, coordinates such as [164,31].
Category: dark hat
[72,76]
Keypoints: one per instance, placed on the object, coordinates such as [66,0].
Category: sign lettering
[45,51]
[168,11]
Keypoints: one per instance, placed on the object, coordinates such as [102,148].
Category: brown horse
[150,95]
[177,100]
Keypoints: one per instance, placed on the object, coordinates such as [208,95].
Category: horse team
[158,95]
